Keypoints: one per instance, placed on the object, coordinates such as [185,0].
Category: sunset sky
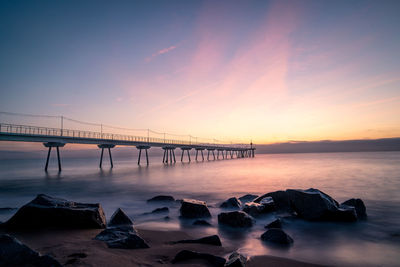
[270,71]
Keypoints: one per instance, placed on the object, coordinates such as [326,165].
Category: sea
[372,176]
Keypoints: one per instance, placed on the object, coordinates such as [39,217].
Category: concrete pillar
[108,146]
[57,145]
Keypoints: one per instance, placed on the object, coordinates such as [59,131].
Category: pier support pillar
[108,146]
[57,146]
[145,148]
[197,152]
[187,149]
[169,154]
[208,153]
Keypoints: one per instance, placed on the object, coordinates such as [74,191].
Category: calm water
[373,177]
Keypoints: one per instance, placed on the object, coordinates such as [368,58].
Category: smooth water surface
[373,177]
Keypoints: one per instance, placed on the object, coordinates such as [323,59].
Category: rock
[45,211]
[120,218]
[209,240]
[161,198]
[114,233]
[185,255]
[255,209]
[345,214]
[247,198]
[235,219]
[233,202]
[122,237]
[277,236]
[281,200]
[7,209]
[274,224]
[358,204]
[167,218]
[236,260]
[201,222]
[161,210]
[191,208]
[14,253]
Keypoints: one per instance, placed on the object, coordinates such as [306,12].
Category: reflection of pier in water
[59,137]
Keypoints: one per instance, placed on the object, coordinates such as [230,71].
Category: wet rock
[161,210]
[201,222]
[185,255]
[281,200]
[161,198]
[191,208]
[120,218]
[114,233]
[167,218]
[255,209]
[45,211]
[236,260]
[14,253]
[233,202]
[235,219]
[7,209]
[274,224]
[358,204]
[209,240]
[124,237]
[345,214]
[277,236]
[247,198]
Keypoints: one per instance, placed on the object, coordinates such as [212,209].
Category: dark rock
[14,253]
[191,208]
[161,210]
[345,214]
[78,255]
[7,209]
[209,240]
[120,218]
[161,198]
[277,236]
[247,198]
[274,224]
[281,200]
[113,233]
[233,202]
[122,237]
[201,222]
[236,260]
[358,204]
[45,211]
[167,218]
[255,209]
[185,255]
[235,219]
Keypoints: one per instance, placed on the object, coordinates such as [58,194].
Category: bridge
[58,137]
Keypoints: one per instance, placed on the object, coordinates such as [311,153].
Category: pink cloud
[161,52]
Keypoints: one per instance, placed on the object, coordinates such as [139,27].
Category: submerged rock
[14,253]
[236,260]
[201,222]
[281,200]
[185,255]
[161,210]
[233,202]
[191,208]
[277,236]
[359,206]
[235,219]
[255,209]
[120,218]
[45,211]
[209,240]
[247,198]
[274,224]
[161,198]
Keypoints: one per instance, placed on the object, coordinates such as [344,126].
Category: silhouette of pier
[58,137]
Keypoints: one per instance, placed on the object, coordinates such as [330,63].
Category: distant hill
[387,144]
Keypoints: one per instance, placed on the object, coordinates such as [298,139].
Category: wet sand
[77,248]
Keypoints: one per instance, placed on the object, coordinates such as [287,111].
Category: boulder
[185,255]
[359,206]
[161,210]
[161,198]
[209,240]
[277,236]
[235,219]
[119,218]
[236,260]
[274,224]
[14,253]
[247,198]
[45,211]
[345,214]
[191,208]
[255,209]
[114,233]
[201,222]
[124,237]
[233,202]
[281,200]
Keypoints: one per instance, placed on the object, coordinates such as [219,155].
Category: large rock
[191,208]
[281,200]
[233,202]
[124,237]
[274,224]
[209,240]
[235,219]
[185,255]
[161,198]
[256,209]
[120,218]
[359,206]
[14,253]
[236,260]
[247,198]
[277,236]
[45,211]
[201,222]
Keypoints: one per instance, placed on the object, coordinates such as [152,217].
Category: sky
[266,71]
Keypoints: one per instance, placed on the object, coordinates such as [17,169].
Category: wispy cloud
[161,52]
